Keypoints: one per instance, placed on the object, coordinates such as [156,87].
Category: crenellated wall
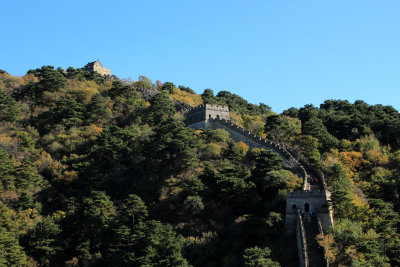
[206,112]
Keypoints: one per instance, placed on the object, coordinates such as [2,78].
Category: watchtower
[199,116]
[308,202]
[96,66]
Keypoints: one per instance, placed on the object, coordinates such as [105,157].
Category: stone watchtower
[308,202]
[199,116]
[96,66]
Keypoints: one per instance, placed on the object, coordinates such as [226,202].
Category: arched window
[307,207]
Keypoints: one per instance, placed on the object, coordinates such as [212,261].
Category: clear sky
[284,53]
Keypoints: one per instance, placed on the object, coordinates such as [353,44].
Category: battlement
[209,107]
[206,112]
[307,194]
[96,66]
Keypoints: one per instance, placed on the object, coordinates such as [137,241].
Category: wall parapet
[262,141]
[301,241]
[307,194]
[209,107]
[321,232]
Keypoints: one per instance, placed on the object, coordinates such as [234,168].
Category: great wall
[307,211]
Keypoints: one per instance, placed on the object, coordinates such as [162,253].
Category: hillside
[96,172]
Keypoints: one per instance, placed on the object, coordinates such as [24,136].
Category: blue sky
[284,53]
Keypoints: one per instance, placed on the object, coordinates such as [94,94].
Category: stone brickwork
[314,201]
[204,113]
[96,66]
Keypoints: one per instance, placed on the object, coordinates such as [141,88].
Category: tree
[208,96]
[134,208]
[11,253]
[49,80]
[168,86]
[98,210]
[310,145]
[282,127]
[9,110]
[315,127]
[119,88]
[156,244]
[144,82]
[193,204]
[97,109]
[341,196]
[42,241]
[161,108]
[258,257]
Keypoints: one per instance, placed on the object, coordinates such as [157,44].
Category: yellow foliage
[186,97]
[352,162]
[359,202]
[170,189]
[45,161]
[331,158]
[70,176]
[199,132]
[62,136]
[294,183]
[367,143]
[93,130]
[27,220]
[328,243]
[213,149]
[9,82]
[29,77]
[83,91]
[236,118]
[254,124]
[59,215]
[243,147]
[375,156]
[72,262]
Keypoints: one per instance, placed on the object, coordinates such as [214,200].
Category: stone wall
[317,203]
[96,66]
[207,112]
[301,241]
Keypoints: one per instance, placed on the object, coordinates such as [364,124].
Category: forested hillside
[93,174]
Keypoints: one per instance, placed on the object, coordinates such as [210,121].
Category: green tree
[258,257]
[98,210]
[42,241]
[208,96]
[282,127]
[156,244]
[168,86]
[11,253]
[134,208]
[9,110]
[310,145]
[49,80]
[97,109]
[341,186]
[161,108]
